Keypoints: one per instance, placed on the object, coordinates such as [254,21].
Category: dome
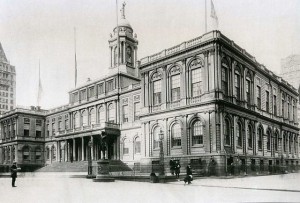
[124,23]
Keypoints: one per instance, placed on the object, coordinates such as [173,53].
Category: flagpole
[38,97]
[75,57]
[118,48]
[205,17]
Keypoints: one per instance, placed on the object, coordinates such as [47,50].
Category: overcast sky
[33,30]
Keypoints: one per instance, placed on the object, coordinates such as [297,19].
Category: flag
[40,88]
[213,15]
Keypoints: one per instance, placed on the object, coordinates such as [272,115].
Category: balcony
[107,126]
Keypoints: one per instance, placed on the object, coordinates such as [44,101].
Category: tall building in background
[7,84]
[290,70]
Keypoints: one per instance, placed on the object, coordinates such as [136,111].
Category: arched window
[239,134]
[38,153]
[260,138]
[224,77]
[84,118]
[290,143]
[156,88]
[137,145]
[282,104]
[196,77]
[250,136]
[8,154]
[248,90]
[227,132]
[176,135]
[13,152]
[115,56]
[26,155]
[53,151]
[237,84]
[129,55]
[284,140]
[175,87]
[156,138]
[92,116]
[76,120]
[197,133]
[101,115]
[47,153]
[269,140]
[276,141]
[111,113]
[125,146]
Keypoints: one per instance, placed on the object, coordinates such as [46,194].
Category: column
[92,149]
[82,149]
[74,152]
[117,113]
[58,151]
[16,153]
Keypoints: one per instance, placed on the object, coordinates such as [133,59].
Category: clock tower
[123,47]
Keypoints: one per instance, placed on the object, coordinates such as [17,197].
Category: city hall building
[207,97]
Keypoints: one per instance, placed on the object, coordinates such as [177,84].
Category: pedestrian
[177,169]
[13,170]
[189,175]
[172,166]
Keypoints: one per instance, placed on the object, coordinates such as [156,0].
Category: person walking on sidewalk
[177,169]
[13,171]
[189,175]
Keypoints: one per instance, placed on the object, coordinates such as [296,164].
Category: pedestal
[103,172]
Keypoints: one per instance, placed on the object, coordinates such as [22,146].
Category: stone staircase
[82,166]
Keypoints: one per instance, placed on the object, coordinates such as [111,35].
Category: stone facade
[210,100]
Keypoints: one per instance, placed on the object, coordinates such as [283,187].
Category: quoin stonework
[209,97]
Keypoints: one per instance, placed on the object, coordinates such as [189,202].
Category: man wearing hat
[13,171]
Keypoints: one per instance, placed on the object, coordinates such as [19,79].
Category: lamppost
[161,153]
[90,169]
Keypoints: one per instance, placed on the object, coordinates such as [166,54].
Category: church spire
[2,54]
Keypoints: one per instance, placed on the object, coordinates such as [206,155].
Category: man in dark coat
[13,170]
[189,175]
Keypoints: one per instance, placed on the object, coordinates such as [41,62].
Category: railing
[156,108]
[195,100]
[175,104]
[112,125]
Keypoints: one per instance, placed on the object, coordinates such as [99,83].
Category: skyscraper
[7,84]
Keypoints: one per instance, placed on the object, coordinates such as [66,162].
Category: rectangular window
[38,122]
[38,134]
[267,101]
[136,110]
[75,97]
[110,85]
[196,82]
[125,113]
[26,121]
[83,94]
[157,92]
[59,125]
[274,105]
[175,85]
[100,88]
[26,133]
[53,129]
[91,92]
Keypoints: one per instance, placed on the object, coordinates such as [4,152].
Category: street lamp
[90,169]
[161,153]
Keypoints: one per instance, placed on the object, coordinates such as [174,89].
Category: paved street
[277,188]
